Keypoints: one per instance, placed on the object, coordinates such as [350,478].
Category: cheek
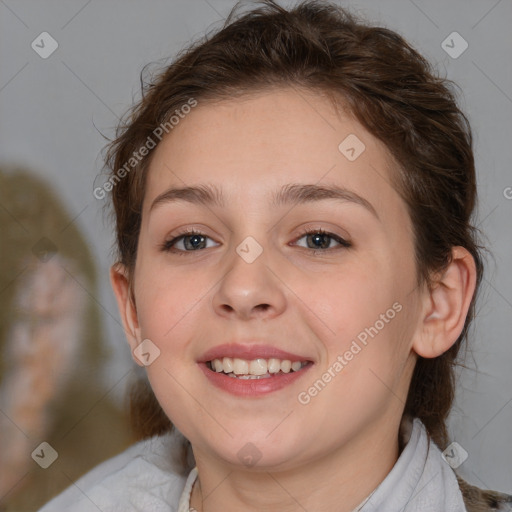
[351,298]
[365,310]
[167,296]
[171,308]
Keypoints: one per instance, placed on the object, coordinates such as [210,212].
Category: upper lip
[249,352]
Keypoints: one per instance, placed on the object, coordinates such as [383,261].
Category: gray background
[53,110]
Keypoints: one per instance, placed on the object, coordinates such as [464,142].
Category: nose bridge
[248,286]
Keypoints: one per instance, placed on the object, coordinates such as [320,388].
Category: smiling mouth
[246,369]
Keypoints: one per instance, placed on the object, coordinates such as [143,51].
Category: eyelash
[344,244]
[168,245]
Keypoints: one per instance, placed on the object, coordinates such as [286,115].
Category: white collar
[420,481]
[184,503]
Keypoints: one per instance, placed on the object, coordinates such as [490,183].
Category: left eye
[191,240]
[322,239]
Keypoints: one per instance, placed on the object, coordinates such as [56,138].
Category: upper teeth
[255,366]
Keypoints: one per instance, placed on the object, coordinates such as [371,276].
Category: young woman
[297,272]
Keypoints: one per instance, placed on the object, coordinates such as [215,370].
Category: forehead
[253,145]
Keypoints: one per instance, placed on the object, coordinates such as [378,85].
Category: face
[322,279]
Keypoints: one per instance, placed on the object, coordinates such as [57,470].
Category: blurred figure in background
[50,345]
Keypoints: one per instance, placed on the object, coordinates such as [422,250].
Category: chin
[259,454]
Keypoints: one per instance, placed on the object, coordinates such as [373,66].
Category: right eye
[190,241]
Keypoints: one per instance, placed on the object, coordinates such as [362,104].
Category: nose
[249,290]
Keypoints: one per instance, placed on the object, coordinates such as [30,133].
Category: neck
[337,482]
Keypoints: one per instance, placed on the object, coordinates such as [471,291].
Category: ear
[446,306]
[126,305]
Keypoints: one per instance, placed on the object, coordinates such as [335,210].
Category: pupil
[195,241]
[318,237]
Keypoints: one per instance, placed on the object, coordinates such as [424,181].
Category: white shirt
[145,478]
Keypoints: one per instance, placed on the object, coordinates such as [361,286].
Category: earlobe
[121,287]
[446,305]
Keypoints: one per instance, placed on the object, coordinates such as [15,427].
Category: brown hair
[389,88]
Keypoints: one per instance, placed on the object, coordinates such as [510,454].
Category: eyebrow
[211,195]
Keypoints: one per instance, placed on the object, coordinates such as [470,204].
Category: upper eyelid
[306,230]
[340,239]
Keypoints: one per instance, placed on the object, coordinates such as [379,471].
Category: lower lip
[252,387]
